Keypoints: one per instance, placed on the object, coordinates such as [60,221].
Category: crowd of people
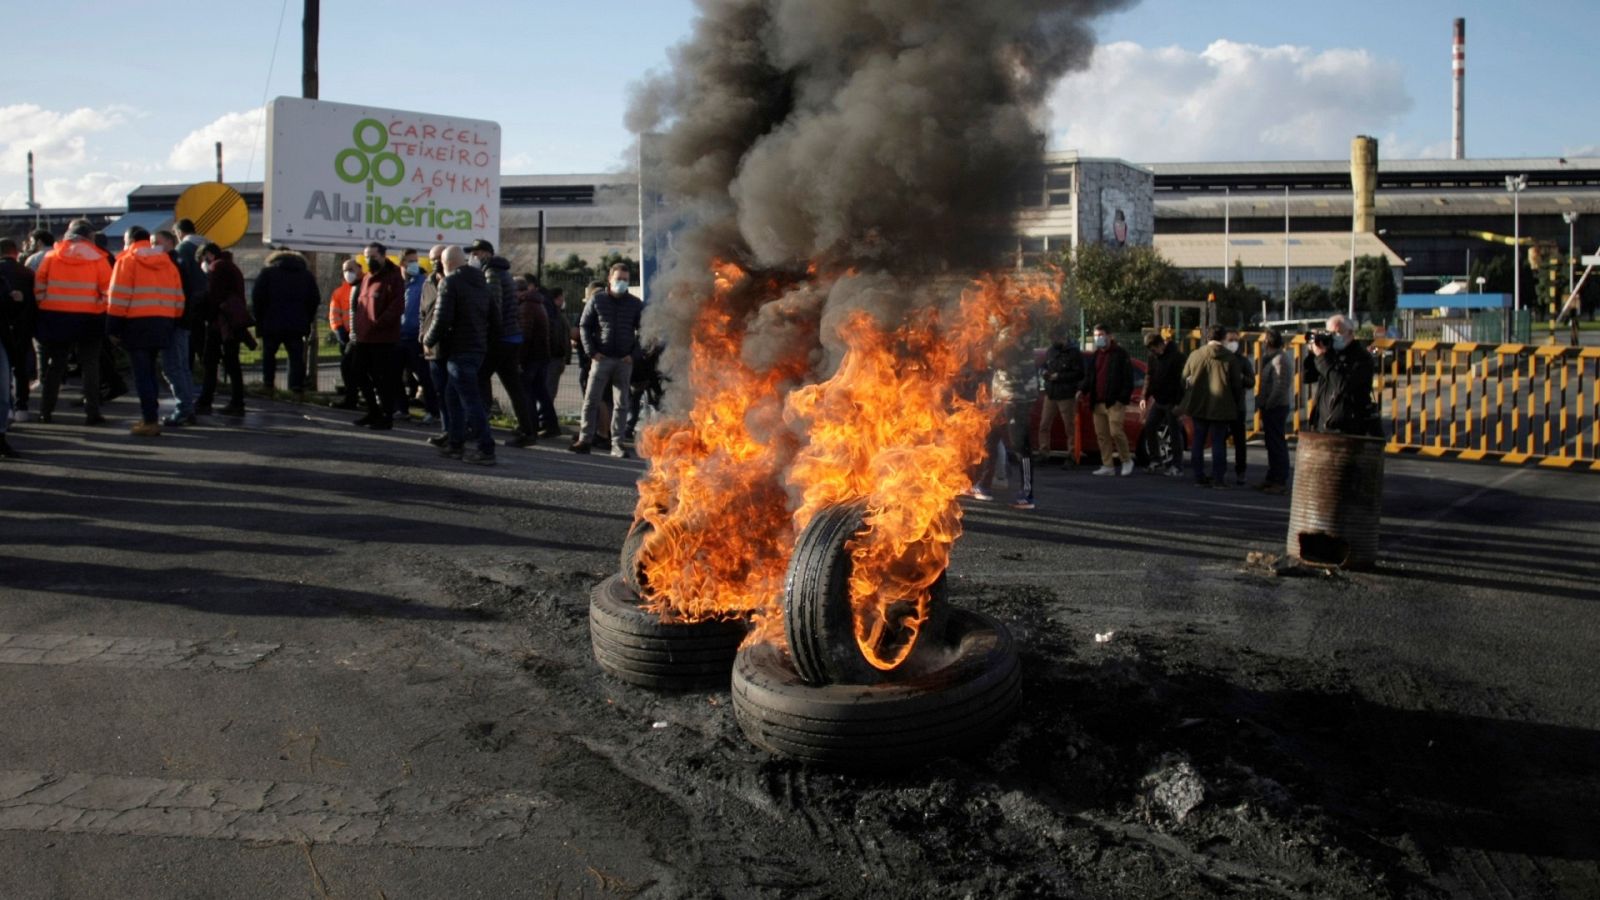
[1217,388]
[438,335]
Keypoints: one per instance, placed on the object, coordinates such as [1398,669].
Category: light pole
[1352,278]
[1480,281]
[1227,197]
[1516,184]
[1285,259]
[1571,218]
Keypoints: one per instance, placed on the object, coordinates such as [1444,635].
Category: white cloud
[1228,102]
[240,134]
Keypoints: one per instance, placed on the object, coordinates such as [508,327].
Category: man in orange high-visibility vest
[339,324]
[71,287]
[144,304]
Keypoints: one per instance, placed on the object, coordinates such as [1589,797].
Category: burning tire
[634,645]
[632,577]
[953,708]
[818,621]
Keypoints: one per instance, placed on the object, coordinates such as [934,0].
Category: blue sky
[121,99]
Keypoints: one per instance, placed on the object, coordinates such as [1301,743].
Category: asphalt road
[291,658]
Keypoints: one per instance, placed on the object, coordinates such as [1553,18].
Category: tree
[1376,294]
[611,259]
[568,270]
[1308,297]
[1117,286]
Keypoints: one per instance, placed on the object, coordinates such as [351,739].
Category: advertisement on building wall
[341,175]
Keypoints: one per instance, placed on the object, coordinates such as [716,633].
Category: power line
[262,108]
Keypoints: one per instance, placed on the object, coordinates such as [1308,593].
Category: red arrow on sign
[483,215]
[426,192]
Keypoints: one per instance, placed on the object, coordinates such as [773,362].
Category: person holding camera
[1340,373]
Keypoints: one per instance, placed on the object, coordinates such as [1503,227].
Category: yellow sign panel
[218,212]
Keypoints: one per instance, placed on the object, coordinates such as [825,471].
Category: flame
[901,424]
[713,494]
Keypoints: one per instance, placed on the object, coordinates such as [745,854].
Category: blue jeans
[146,381]
[465,404]
[1273,422]
[1216,434]
[439,375]
[175,366]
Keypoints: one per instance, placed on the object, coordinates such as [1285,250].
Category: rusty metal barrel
[1338,497]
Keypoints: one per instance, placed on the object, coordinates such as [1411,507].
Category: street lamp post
[1285,260]
[1571,218]
[1227,197]
[1352,278]
[1516,184]
[1480,281]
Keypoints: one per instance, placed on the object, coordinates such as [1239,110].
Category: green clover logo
[365,162]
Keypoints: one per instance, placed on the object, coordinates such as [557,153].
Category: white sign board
[340,175]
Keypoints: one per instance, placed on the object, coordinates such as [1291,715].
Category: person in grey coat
[462,321]
[610,332]
[1272,401]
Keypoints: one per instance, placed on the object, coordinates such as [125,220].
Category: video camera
[1323,339]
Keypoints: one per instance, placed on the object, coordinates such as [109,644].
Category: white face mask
[475,262]
[1340,342]
[619,286]
[206,267]
[1101,340]
[1233,346]
[352,277]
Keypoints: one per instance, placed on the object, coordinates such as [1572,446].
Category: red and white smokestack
[1458,68]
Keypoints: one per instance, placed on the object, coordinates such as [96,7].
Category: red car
[1088,445]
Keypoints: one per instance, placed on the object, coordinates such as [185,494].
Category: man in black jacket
[16,332]
[459,332]
[1340,372]
[283,302]
[1162,432]
[610,332]
[505,348]
[1063,382]
[1110,387]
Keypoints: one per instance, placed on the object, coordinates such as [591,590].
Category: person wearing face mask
[339,325]
[375,310]
[144,304]
[229,328]
[1110,388]
[610,332]
[1272,400]
[1241,400]
[1212,376]
[412,362]
[1340,374]
[284,302]
[177,365]
[505,347]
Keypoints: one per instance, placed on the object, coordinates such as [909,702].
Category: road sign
[1590,260]
[340,175]
[218,212]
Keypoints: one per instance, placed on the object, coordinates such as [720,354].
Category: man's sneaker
[146,429]
[1104,470]
[1277,490]
[579,447]
[602,443]
[1127,467]
[365,421]
[428,419]
[1022,503]
[440,439]
[978,493]
[5,449]
[43,418]
[548,432]
[175,420]
[348,403]
[1173,471]
[1238,480]
[382,425]
[19,415]
[232,411]
[521,440]
[449,452]
[478,457]
[619,452]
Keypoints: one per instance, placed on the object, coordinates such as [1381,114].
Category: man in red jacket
[375,328]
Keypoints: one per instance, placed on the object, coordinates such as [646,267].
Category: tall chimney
[31,204]
[219,161]
[1364,182]
[1458,68]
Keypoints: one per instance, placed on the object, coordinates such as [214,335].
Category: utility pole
[309,26]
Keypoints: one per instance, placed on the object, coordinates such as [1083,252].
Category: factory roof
[1265,250]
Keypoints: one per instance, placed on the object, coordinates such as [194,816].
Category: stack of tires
[635,645]
[820,701]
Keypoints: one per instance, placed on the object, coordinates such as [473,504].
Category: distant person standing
[39,243]
[145,306]
[438,364]
[71,285]
[229,328]
[197,317]
[177,366]
[1273,399]
[506,347]
[1340,372]
[1110,386]
[411,359]
[1162,433]
[339,325]
[10,309]
[536,359]
[1063,382]
[560,344]
[1212,376]
[375,312]
[1247,387]
[22,320]
[458,332]
[284,302]
[610,332]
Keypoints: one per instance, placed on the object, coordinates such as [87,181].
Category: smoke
[877,142]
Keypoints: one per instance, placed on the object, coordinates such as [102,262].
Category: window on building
[1059,181]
